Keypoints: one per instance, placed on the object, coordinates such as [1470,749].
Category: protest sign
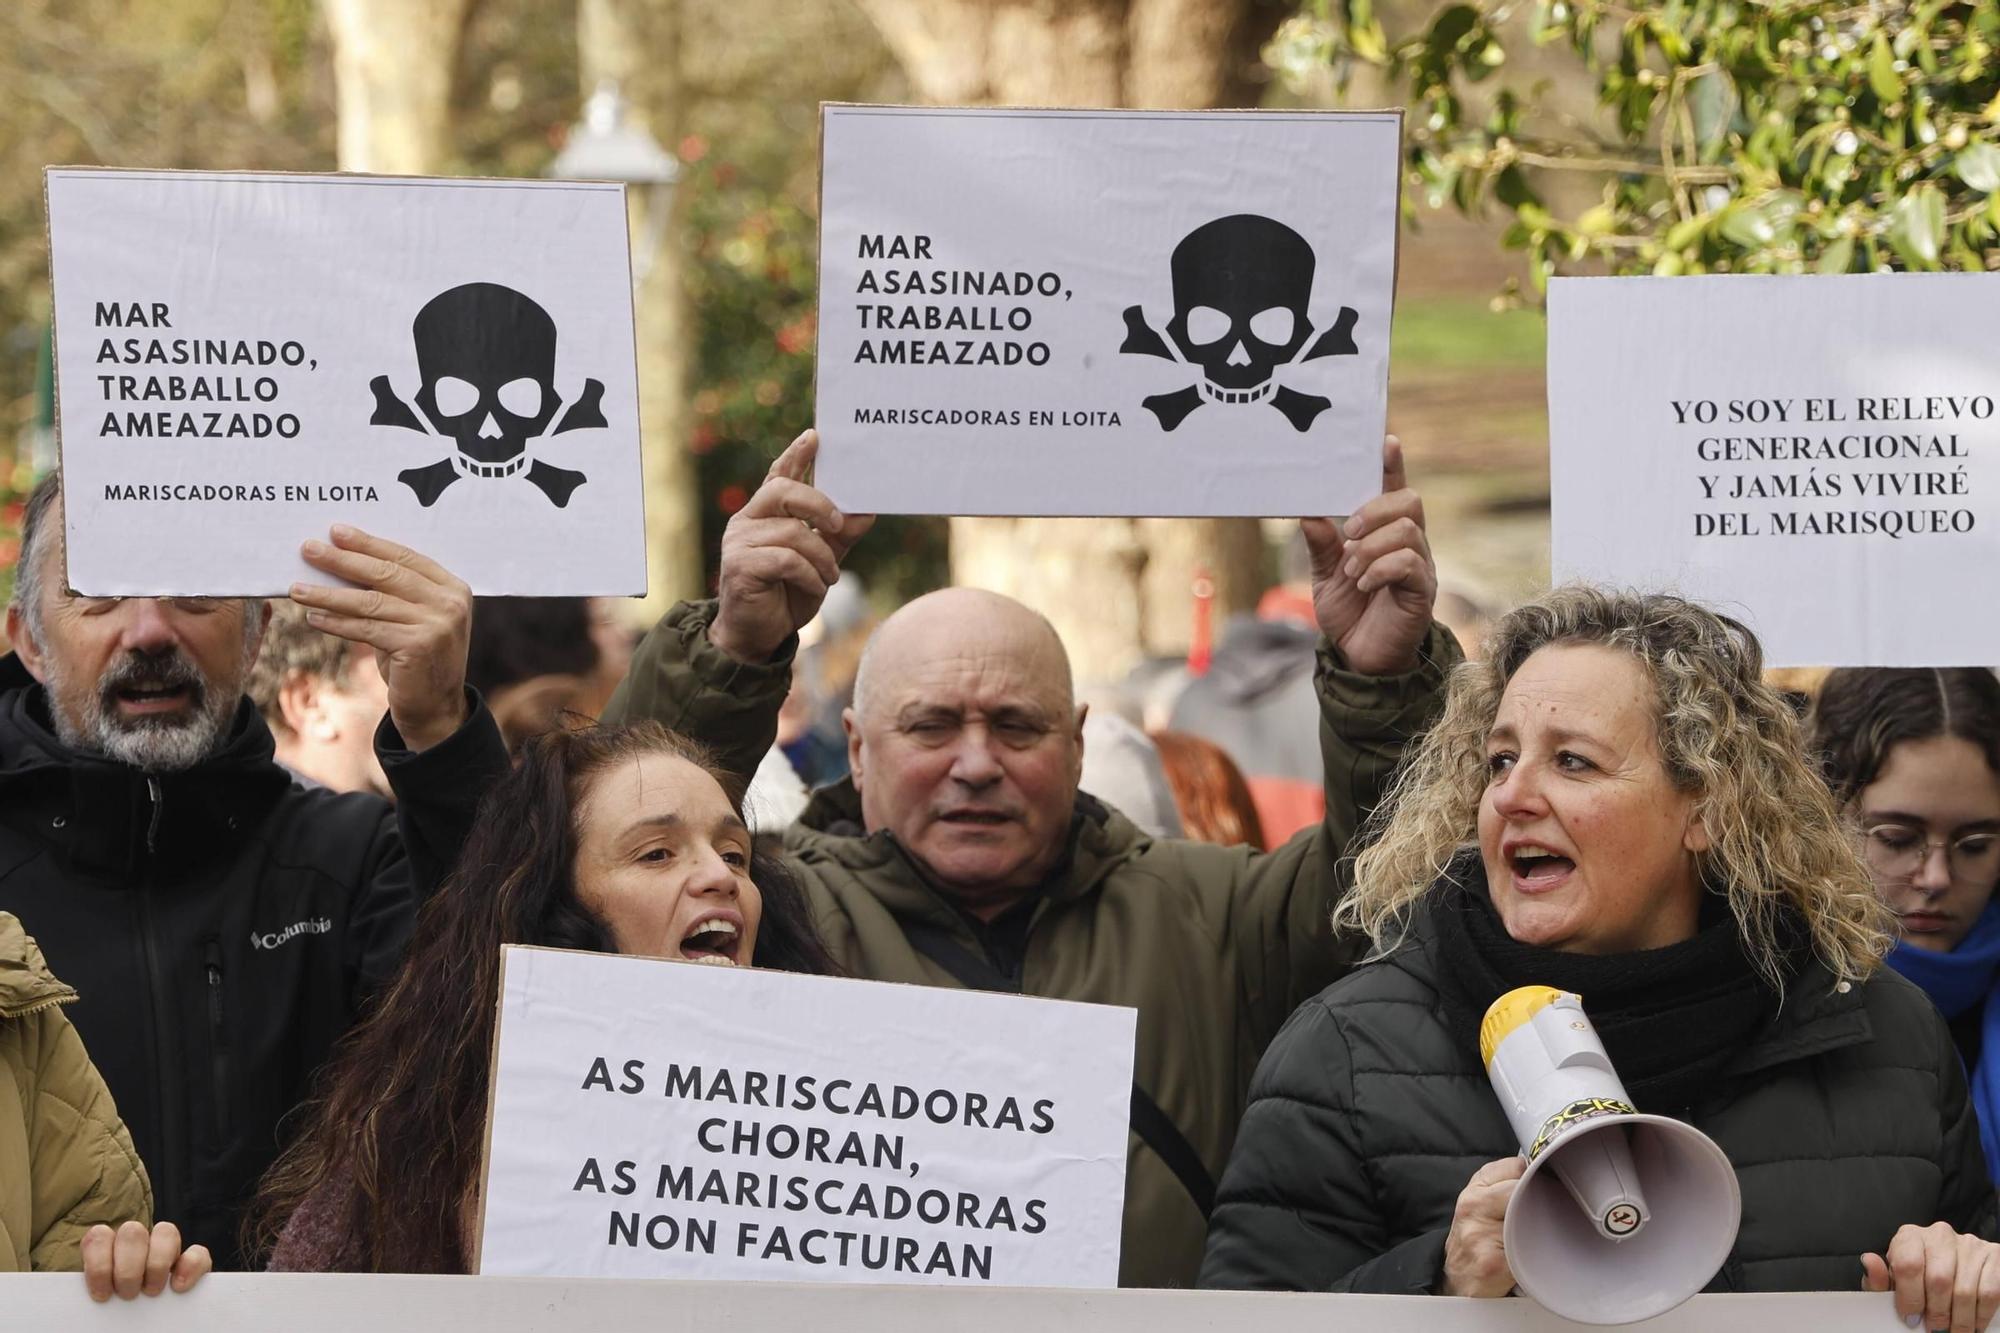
[1819,456]
[667,1119]
[1104,312]
[244,360]
[336,1303]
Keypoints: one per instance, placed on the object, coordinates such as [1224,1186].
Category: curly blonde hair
[1775,836]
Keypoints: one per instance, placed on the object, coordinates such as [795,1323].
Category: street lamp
[606,146]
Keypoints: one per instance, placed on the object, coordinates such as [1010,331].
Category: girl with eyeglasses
[1913,756]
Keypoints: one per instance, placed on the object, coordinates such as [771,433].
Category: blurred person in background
[606,839]
[1913,757]
[1123,768]
[534,659]
[223,925]
[960,850]
[1614,804]
[1209,790]
[1468,619]
[322,700]
[1259,683]
[615,640]
[1799,685]
[830,645]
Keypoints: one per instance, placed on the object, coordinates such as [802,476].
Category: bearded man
[221,924]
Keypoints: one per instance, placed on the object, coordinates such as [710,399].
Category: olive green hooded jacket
[1214,946]
[66,1162]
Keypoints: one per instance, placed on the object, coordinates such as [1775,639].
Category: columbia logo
[318,925]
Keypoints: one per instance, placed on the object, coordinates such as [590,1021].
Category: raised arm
[717,671]
[1380,683]
[438,745]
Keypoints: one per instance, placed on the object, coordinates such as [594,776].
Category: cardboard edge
[1300,112]
[1397,113]
[55,359]
[50,170]
[471,182]
[1125,1015]
[666,234]
[819,273]
[492,1095]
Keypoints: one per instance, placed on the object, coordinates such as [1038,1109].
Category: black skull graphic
[1241,288]
[487,355]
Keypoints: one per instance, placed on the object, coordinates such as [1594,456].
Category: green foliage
[1457,334]
[752,281]
[1746,136]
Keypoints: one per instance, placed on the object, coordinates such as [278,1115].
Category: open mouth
[976,818]
[153,699]
[1538,867]
[712,941]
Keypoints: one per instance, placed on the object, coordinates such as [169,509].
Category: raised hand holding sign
[780,553]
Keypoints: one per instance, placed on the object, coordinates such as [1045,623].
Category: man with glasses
[221,924]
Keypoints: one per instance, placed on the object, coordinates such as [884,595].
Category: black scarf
[1670,1019]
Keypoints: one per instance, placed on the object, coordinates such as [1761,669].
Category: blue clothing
[1956,982]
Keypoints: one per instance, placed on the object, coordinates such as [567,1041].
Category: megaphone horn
[1648,1207]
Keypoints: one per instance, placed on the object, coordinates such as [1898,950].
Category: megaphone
[1619,1216]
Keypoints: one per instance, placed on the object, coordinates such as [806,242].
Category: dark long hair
[1863,713]
[400,1123]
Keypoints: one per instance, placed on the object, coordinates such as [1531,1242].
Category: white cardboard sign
[1104,312]
[1817,455]
[244,360]
[666,1119]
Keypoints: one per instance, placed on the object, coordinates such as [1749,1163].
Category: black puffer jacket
[222,925]
[1846,1117]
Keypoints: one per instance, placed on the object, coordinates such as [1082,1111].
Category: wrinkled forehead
[982,673]
[1580,687]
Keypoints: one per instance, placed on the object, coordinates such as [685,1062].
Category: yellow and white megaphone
[1619,1216]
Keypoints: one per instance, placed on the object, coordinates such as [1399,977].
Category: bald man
[960,851]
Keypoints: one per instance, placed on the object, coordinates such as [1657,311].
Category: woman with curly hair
[1614,804]
[1913,757]
[610,839]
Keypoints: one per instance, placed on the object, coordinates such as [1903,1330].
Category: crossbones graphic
[487,355]
[1241,286]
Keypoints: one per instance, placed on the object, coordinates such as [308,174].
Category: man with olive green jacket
[960,852]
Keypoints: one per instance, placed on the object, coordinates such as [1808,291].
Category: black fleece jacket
[223,925]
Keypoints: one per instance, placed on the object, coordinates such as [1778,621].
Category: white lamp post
[606,146]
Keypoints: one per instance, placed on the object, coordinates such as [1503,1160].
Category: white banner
[1104,312]
[259,1303]
[1817,455]
[669,1119]
[244,360]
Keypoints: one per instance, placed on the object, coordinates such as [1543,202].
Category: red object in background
[1201,645]
[731,498]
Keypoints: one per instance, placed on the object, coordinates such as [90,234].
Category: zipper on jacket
[218,1043]
[30,1010]
[153,824]
[170,1177]
[171,1183]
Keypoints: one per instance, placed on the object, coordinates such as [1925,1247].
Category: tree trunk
[1118,590]
[635,45]
[392,67]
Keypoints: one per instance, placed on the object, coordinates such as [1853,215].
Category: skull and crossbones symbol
[1241,286]
[487,356]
